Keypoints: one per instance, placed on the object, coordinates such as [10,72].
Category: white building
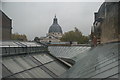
[54,34]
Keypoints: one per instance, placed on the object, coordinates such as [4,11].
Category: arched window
[50,37]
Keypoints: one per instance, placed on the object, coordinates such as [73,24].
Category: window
[50,37]
[33,73]
[56,67]
[43,58]
[12,65]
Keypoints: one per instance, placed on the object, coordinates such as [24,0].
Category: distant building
[5,26]
[106,25]
[54,34]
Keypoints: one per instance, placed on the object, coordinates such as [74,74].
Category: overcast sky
[35,18]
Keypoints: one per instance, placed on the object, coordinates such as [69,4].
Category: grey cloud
[35,18]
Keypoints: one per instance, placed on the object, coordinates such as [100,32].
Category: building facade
[54,34]
[5,26]
[106,25]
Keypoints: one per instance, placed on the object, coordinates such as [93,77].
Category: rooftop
[29,60]
[38,62]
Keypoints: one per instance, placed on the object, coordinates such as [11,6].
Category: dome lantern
[55,27]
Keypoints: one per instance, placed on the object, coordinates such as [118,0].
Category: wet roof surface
[32,66]
[29,60]
[99,62]
[67,51]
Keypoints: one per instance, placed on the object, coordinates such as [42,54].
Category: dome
[55,27]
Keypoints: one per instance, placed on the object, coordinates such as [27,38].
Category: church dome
[55,27]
